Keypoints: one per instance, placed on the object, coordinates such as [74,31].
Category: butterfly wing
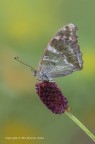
[62,55]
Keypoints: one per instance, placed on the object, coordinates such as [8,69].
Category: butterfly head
[41,76]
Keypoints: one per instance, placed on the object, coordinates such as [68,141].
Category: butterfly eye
[34,72]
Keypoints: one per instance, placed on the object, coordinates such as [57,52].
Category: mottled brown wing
[62,55]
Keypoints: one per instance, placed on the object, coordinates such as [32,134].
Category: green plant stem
[70,115]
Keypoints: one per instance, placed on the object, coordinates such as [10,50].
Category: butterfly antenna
[17,58]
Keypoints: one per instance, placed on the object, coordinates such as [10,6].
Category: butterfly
[61,57]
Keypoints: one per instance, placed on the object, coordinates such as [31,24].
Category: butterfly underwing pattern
[62,55]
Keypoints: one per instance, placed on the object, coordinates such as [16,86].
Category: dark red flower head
[52,97]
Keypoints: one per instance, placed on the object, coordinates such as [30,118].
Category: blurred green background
[26,26]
